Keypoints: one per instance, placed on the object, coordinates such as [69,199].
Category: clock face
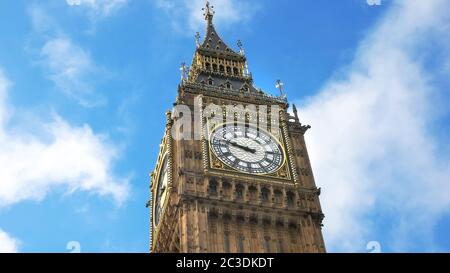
[247,149]
[161,190]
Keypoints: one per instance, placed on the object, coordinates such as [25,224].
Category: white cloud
[67,64]
[371,147]
[98,8]
[53,155]
[41,22]
[187,15]
[72,70]
[8,244]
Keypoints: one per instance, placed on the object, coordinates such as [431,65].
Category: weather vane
[209,10]
[279,86]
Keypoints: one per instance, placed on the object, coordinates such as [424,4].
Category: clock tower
[233,173]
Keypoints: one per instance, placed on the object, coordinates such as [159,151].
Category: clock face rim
[272,137]
[164,166]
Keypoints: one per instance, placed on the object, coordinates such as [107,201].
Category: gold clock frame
[165,152]
[216,163]
[155,190]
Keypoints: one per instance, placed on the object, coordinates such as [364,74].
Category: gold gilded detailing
[217,164]
[282,172]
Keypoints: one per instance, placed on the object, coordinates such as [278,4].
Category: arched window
[228,70]
[290,199]
[239,191]
[252,192]
[214,67]
[278,196]
[213,187]
[265,194]
[222,69]
[236,71]
[226,187]
[208,66]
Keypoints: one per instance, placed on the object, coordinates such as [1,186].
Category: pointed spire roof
[212,39]
[219,67]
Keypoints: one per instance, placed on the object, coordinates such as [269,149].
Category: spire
[215,63]
[212,40]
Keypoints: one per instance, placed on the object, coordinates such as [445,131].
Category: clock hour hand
[247,149]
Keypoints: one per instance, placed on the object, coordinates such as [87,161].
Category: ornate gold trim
[166,150]
[290,152]
[166,155]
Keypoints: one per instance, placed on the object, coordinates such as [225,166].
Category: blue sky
[84,85]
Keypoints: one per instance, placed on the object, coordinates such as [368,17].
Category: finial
[168,117]
[241,48]
[295,112]
[247,72]
[197,39]
[209,11]
[280,85]
[184,71]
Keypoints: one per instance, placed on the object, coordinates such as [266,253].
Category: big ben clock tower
[233,173]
